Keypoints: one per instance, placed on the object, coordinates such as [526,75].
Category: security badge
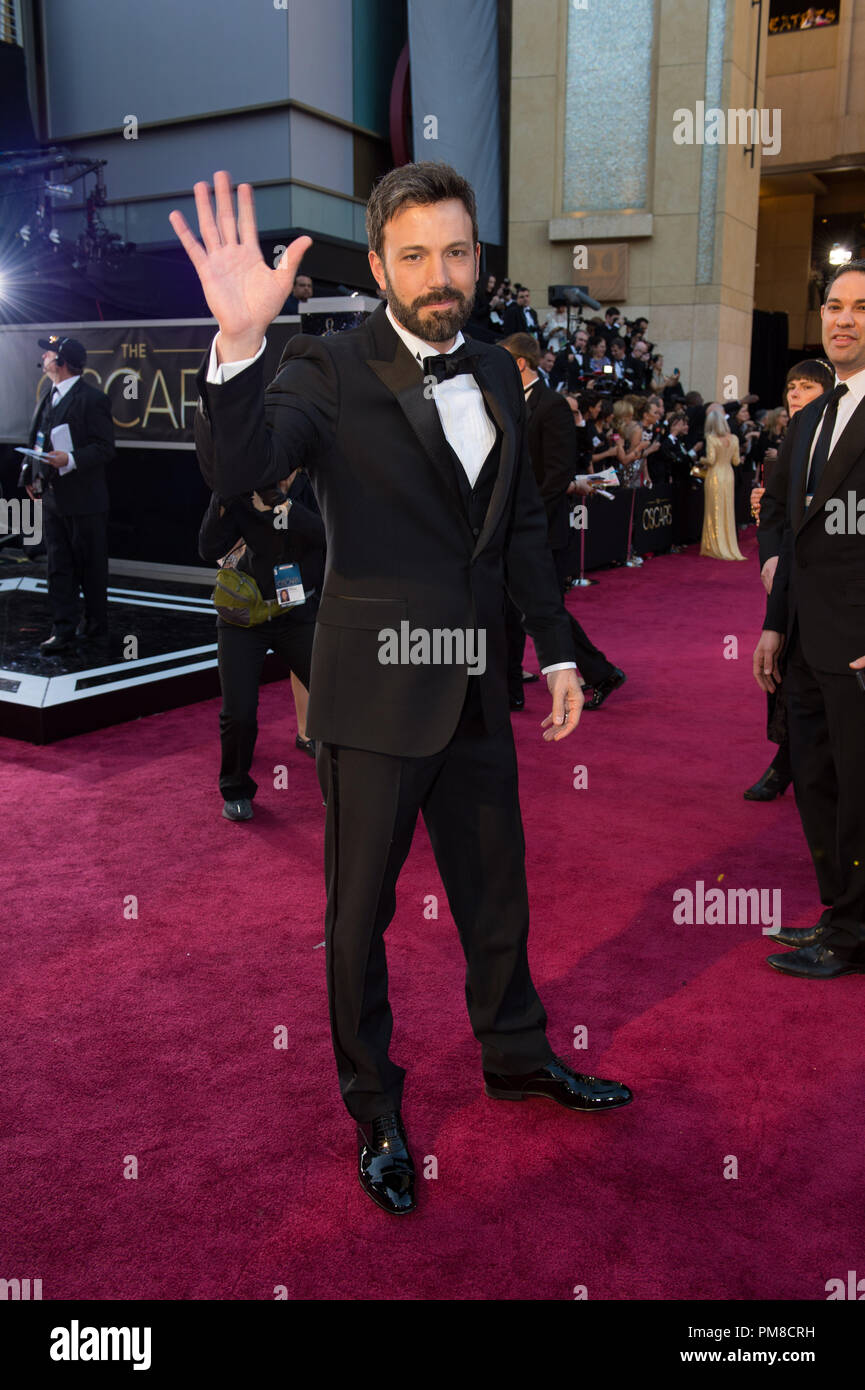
[288,585]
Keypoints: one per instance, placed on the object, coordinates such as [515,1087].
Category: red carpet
[150,1037]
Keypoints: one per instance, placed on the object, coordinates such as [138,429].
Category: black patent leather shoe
[518,702]
[306,745]
[605,688]
[799,936]
[54,644]
[769,786]
[385,1165]
[815,963]
[556,1081]
[529,677]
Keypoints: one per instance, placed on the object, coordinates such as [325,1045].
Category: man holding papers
[73,434]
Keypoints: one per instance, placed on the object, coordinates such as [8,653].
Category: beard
[439,326]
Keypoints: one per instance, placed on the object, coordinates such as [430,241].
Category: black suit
[818,602]
[520,320]
[75,505]
[552,438]
[408,541]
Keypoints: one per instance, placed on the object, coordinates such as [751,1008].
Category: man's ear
[377,268]
[478,262]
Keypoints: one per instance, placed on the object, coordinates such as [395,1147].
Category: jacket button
[476,531]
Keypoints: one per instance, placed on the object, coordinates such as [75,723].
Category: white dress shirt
[459,402]
[57,394]
[847,406]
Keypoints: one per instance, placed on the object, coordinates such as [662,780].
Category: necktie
[821,452]
[445,365]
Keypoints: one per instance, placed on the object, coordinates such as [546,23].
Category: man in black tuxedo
[816,606]
[520,317]
[74,492]
[415,443]
[552,441]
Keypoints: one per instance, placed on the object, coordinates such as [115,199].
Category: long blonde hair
[716,422]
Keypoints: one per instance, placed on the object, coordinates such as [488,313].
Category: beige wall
[815,79]
[705,330]
[784,259]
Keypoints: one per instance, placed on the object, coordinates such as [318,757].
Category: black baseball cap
[74,354]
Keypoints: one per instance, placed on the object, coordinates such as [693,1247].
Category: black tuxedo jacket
[87,412]
[552,440]
[820,579]
[516,320]
[355,411]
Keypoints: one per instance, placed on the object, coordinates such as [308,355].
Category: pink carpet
[148,1038]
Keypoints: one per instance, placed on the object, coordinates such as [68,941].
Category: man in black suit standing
[520,317]
[816,606]
[71,483]
[414,439]
[552,442]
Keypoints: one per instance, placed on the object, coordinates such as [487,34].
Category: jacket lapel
[497,406]
[800,460]
[848,449]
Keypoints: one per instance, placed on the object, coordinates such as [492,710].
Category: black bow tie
[444,365]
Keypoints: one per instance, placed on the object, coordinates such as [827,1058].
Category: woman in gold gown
[719,516]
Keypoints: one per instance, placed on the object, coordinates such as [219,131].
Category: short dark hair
[611,310]
[842,270]
[415,185]
[523,345]
[812,369]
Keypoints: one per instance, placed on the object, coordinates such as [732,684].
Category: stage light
[839,255]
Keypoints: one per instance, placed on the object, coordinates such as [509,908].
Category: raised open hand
[242,291]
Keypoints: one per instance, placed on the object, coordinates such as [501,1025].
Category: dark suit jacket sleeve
[530,575]
[218,533]
[95,430]
[558,452]
[773,504]
[513,320]
[778,601]
[247,437]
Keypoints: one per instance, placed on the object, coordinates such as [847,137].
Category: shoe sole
[540,1095]
[794,974]
[391,1211]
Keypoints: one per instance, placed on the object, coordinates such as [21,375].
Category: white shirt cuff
[220,372]
[560,666]
[68,467]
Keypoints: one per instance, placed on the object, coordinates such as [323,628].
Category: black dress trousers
[468,797]
[826,725]
[77,559]
[241,656]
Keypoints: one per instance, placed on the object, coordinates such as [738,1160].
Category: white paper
[31,453]
[609,478]
[61,439]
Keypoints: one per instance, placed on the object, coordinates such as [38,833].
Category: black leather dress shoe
[54,644]
[605,688]
[815,963]
[799,936]
[385,1165]
[518,702]
[529,677]
[306,745]
[558,1082]
[769,786]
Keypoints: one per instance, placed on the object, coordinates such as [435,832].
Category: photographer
[279,528]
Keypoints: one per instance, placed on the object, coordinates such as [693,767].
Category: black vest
[475,500]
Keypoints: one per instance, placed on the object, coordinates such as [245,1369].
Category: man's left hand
[568,701]
[56,458]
